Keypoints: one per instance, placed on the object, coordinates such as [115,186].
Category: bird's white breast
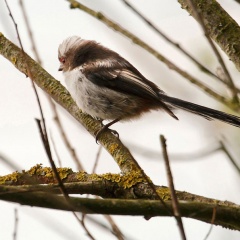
[89,97]
[98,101]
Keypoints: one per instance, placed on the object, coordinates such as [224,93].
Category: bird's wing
[128,81]
[123,80]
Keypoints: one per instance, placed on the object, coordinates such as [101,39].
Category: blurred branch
[153,155]
[230,157]
[66,141]
[52,104]
[41,123]
[98,15]
[169,40]
[16,221]
[30,34]
[9,162]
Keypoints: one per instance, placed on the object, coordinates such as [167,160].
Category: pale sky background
[211,176]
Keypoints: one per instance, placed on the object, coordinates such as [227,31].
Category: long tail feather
[205,112]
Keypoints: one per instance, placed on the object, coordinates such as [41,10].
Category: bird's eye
[62,60]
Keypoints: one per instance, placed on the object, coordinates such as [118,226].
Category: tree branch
[51,86]
[222,28]
[226,215]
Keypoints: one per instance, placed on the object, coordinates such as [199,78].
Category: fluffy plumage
[107,86]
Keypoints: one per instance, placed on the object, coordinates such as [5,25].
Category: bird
[108,87]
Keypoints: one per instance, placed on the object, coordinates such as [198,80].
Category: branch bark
[227,216]
[222,28]
[37,187]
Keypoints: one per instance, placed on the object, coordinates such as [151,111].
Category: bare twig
[49,154]
[42,125]
[175,204]
[212,223]
[68,145]
[55,150]
[52,104]
[169,40]
[30,34]
[5,159]
[97,159]
[57,176]
[85,228]
[116,230]
[15,224]
[230,157]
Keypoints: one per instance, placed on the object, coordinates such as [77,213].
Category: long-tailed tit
[108,87]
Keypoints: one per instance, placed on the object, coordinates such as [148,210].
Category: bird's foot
[103,129]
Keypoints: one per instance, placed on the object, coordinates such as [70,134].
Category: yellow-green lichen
[13,60]
[121,161]
[47,171]
[95,177]
[132,178]
[112,148]
[164,193]
[112,177]
[81,176]
[64,172]
[33,170]
[10,178]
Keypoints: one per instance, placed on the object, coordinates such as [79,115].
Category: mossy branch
[221,27]
[110,186]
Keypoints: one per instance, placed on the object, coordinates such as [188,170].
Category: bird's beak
[60,67]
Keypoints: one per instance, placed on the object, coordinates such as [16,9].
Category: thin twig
[230,157]
[55,150]
[52,104]
[169,40]
[30,34]
[199,18]
[42,125]
[49,154]
[16,221]
[175,204]
[212,223]
[9,162]
[85,228]
[66,141]
[97,159]
[115,229]
[57,176]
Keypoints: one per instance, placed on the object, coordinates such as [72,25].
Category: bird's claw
[103,129]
